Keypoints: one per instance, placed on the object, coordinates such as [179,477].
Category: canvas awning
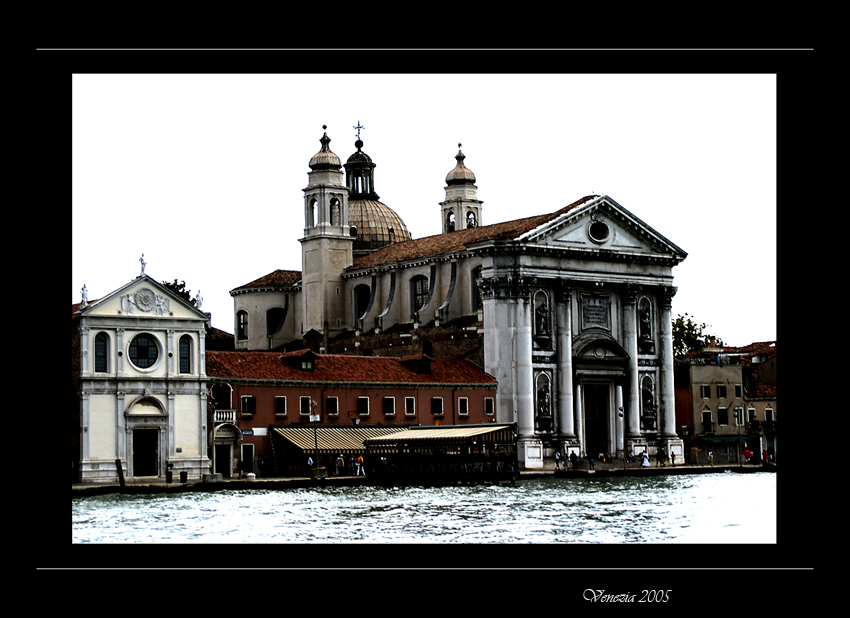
[490,433]
[331,440]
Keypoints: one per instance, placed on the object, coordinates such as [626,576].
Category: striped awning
[332,440]
[491,433]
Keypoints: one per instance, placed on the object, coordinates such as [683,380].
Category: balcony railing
[224,416]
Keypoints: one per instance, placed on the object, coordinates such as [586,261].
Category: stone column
[524,375]
[619,415]
[666,392]
[577,405]
[630,336]
[566,425]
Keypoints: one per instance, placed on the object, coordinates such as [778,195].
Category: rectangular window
[304,406]
[489,406]
[363,406]
[410,406]
[437,406]
[721,391]
[249,405]
[280,406]
[738,391]
[722,416]
[705,391]
[463,406]
[707,425]
[389,406]
[332,406]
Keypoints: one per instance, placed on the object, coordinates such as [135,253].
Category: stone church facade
[569,310]
[139,387]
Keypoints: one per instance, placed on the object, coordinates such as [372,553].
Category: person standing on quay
[574,460]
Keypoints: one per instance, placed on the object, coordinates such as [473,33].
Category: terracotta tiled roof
[276,278]
[452,242]
[341,368]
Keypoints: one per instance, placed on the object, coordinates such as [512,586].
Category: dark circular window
[599,231]
[144,351]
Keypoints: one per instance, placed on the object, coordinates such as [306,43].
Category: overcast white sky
[204,173]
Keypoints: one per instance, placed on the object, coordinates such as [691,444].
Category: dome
[376,225]
[325,159]
[460,174]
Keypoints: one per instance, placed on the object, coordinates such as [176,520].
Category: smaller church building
[139,387]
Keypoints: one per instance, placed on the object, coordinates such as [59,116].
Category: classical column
[619,414]
[666,395]
[630,336]
[577,411]
[566,426]
[524,377]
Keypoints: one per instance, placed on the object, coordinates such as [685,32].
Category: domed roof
[460,174]
[325,159]
[376,225]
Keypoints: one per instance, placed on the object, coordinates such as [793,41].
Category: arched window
[470,219]
[101,351]
[275,318]
[361,300]
[185,349]
[242,325]
[335,216]
[476,292]
[311,214]
[450,222]
[418,293]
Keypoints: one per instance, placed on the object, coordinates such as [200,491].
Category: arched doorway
[226,437]
[146,423]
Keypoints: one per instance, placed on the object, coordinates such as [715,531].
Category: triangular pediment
[602,224]
[143,297]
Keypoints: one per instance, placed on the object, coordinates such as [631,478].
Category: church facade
[139,386]
[571,308]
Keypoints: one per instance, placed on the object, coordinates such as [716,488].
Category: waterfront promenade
[601,470]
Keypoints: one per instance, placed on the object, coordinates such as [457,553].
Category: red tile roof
[460,240]
[341,368]
[274,279]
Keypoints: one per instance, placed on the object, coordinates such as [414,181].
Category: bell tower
[462,208]
[326,249]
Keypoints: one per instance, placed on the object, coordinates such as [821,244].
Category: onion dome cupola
[326,196]
[373,224]
[462,208]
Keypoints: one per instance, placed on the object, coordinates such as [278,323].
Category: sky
[203,173]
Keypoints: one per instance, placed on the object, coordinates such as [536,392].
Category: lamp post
[739,418]
[314,418]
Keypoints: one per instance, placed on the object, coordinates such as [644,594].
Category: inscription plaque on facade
[596,312]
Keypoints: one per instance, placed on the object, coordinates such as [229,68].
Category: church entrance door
[145,452]
[596,411]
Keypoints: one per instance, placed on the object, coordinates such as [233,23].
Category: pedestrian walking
[360,469]
[557,460]
[590,460]
[574,460]
[672,458]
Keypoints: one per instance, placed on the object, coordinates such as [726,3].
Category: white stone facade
[141,385]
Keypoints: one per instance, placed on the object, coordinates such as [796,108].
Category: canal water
[719,507]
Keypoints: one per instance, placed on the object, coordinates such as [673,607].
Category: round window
[599,231]
[144,351]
